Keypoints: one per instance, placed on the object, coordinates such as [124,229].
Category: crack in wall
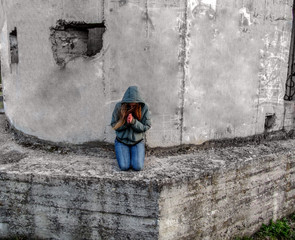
[185,40]
[103,53]
[104,79]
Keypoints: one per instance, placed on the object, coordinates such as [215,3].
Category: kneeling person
[131,119]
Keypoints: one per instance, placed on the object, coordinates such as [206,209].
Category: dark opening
[270,120]
[94,44]
[75,39]
[13,46]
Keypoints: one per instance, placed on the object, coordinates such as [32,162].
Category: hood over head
[132,95]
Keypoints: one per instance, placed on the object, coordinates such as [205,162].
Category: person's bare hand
[129,118]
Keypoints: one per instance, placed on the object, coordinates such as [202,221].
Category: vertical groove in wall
[146,19]
[184,68]
[105,85]
[259,91]
[257,107]
[103,48]
[259,87]
[284,116]
[63,7]
[147,36]
[265,10]
[103,6]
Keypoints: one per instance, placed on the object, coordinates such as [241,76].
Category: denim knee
[137,168]
[123,168]
[137,156]
[122,155]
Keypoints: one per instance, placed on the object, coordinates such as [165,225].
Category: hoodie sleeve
[115,118]
[144,124]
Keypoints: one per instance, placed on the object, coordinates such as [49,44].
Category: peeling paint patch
[210,3]
[245,17]
[201,8]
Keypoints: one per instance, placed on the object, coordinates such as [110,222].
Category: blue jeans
[130,156]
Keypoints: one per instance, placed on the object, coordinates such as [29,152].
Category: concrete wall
[40,98]
[64,208]
[231,202]
[215,194]
[237,67]
[208,69]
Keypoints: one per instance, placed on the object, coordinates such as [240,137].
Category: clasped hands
[129,118]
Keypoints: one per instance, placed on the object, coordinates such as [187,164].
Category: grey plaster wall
[237,67]
[40,98]
[208,69]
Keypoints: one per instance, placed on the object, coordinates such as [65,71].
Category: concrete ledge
[211,194]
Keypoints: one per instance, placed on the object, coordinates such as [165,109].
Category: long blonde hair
[125,110]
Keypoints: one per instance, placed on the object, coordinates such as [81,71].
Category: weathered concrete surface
[237,67]
[208,69]
[213,194]
[40,98]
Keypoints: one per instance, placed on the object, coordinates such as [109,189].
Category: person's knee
[137,167]
[137,164]
[124,167]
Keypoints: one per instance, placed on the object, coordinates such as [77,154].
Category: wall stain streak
[103,8]
[147,18]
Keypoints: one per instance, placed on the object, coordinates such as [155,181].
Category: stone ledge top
[18,162]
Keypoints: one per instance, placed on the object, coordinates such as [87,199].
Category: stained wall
[237,68]
[207,69]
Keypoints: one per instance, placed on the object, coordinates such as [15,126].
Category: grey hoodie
[134,132]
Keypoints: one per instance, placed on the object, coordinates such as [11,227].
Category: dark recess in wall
[269,121]
[13,46]
[75,39]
